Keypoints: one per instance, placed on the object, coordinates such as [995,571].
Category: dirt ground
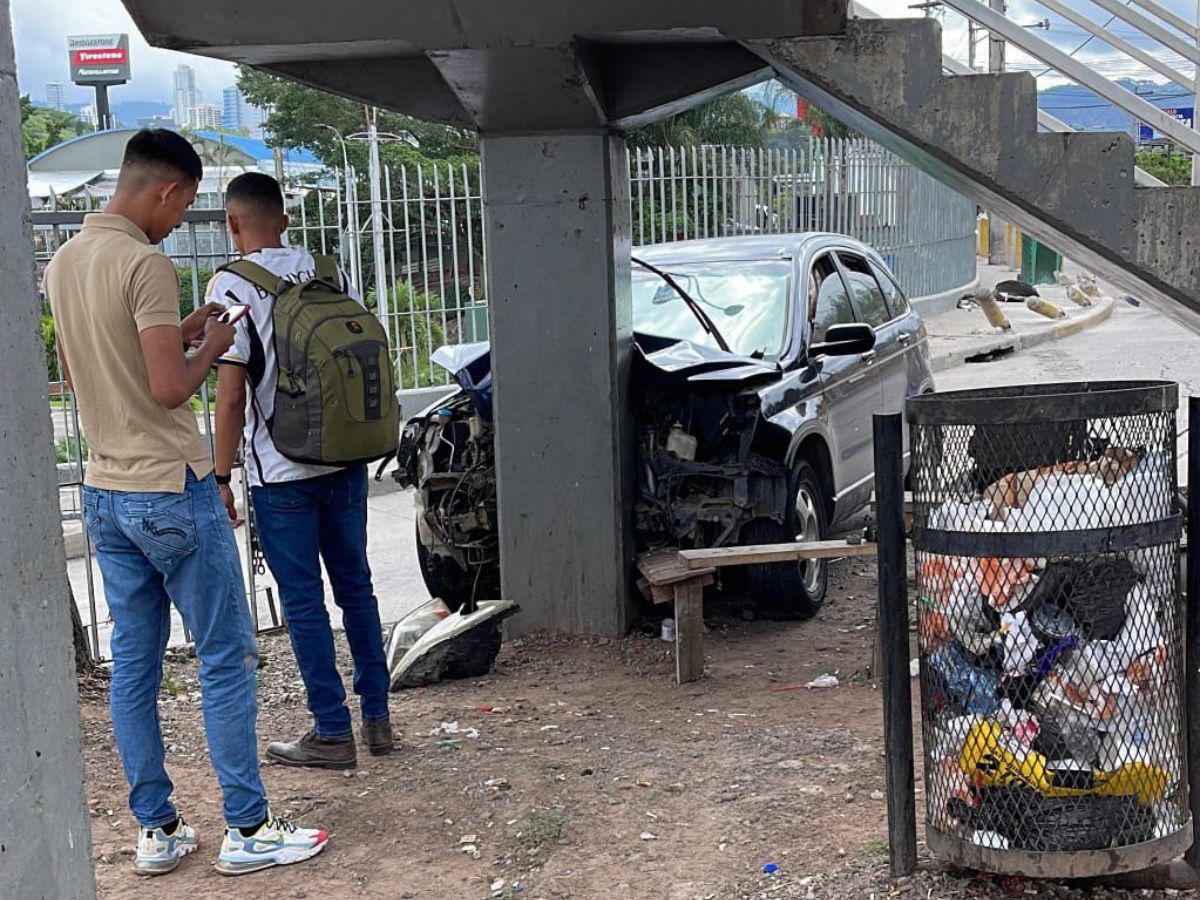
[593,775]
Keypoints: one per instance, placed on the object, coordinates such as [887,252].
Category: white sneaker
[159,852]
[277,842]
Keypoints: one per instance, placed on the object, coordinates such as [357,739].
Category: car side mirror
[845,340]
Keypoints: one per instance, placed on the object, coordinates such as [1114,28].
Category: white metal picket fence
[423,240]
[431,226]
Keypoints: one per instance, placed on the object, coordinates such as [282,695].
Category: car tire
[791,591]
[443,577]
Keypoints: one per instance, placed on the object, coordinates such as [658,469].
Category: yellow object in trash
[1044,307]
[990,760]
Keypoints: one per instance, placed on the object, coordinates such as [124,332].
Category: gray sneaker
[378,737]
[315,752]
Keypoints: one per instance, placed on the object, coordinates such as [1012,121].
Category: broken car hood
[470,364]
[697,363]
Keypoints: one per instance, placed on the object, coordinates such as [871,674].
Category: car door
[891,341]
[916,372]
[851,385]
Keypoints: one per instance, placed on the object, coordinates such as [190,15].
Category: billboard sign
[1184,114]
[99,58]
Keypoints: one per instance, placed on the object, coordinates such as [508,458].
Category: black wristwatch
[223,479]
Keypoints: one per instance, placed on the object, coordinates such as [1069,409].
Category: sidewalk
[960,335]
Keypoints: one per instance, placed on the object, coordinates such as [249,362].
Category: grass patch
[170,686]
[539,834]
[69,449]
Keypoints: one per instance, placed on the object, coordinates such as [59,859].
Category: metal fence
[428,245]
[422,237]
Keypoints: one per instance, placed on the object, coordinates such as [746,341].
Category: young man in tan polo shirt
[152,509]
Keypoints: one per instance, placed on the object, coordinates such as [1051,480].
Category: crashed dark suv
[759,362]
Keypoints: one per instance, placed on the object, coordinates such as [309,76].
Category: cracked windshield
[747,301]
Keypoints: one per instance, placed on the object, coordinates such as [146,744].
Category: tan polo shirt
[105,285]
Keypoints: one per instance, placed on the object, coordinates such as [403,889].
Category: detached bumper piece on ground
[1047,529]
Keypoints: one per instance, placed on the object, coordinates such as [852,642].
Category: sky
[41,29]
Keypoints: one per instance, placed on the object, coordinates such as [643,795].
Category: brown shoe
[315,752]
[378,737]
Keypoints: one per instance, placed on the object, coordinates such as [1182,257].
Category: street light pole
[382,297]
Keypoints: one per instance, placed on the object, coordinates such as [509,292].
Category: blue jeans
[301,523]
[156,549]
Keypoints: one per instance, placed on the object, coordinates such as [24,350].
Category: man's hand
[193,326]
[230,505]
[218,334]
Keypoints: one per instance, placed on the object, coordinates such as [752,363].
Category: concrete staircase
[978,133]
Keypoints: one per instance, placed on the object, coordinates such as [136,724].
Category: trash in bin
[1050,665]
[968,688]
[1030,821]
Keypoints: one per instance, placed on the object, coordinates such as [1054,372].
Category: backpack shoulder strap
[257,275]
[327,270]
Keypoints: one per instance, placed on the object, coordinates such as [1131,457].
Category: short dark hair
[162,148]
[259,191]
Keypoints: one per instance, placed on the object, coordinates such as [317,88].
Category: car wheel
[443,577]
[792,590]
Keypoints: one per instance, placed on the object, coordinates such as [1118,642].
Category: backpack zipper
[291,325]
[312,331]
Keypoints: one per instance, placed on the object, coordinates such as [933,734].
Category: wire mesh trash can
[1050,626]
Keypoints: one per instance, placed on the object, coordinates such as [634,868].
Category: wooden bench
[682,575]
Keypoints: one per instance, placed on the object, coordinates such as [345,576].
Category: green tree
[736,120]
[42,128]
[1173,168]
[299,114]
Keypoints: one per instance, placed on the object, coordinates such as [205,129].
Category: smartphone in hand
[234,313]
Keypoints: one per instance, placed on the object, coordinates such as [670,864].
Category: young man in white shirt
[304,513]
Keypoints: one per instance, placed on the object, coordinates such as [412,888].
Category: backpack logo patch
[354,328]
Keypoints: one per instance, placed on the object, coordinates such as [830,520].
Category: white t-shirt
[254,350]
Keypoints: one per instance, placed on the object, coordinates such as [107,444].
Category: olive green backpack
[335,400]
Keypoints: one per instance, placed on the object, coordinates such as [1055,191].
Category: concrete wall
[45,836]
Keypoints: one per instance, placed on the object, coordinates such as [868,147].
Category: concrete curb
[1015,341]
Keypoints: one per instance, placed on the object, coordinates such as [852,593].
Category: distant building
[206,116]
[85,169]
[87,116]
[157,122]
[55,96]
[232,104]
[187,96]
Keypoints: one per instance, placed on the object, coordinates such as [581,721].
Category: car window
[868,298]
[896,300]
[829,303]
[746,299]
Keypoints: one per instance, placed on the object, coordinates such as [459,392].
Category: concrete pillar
[45,836]
[556,219]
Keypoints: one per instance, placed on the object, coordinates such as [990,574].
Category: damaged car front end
[752,388]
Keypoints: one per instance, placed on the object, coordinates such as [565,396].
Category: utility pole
[997,251]
[996,43]
[971,43]
[382,297]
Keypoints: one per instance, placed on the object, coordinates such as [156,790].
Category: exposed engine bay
[448,453]
[701,480]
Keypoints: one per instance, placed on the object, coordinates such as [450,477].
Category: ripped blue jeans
[156,549]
